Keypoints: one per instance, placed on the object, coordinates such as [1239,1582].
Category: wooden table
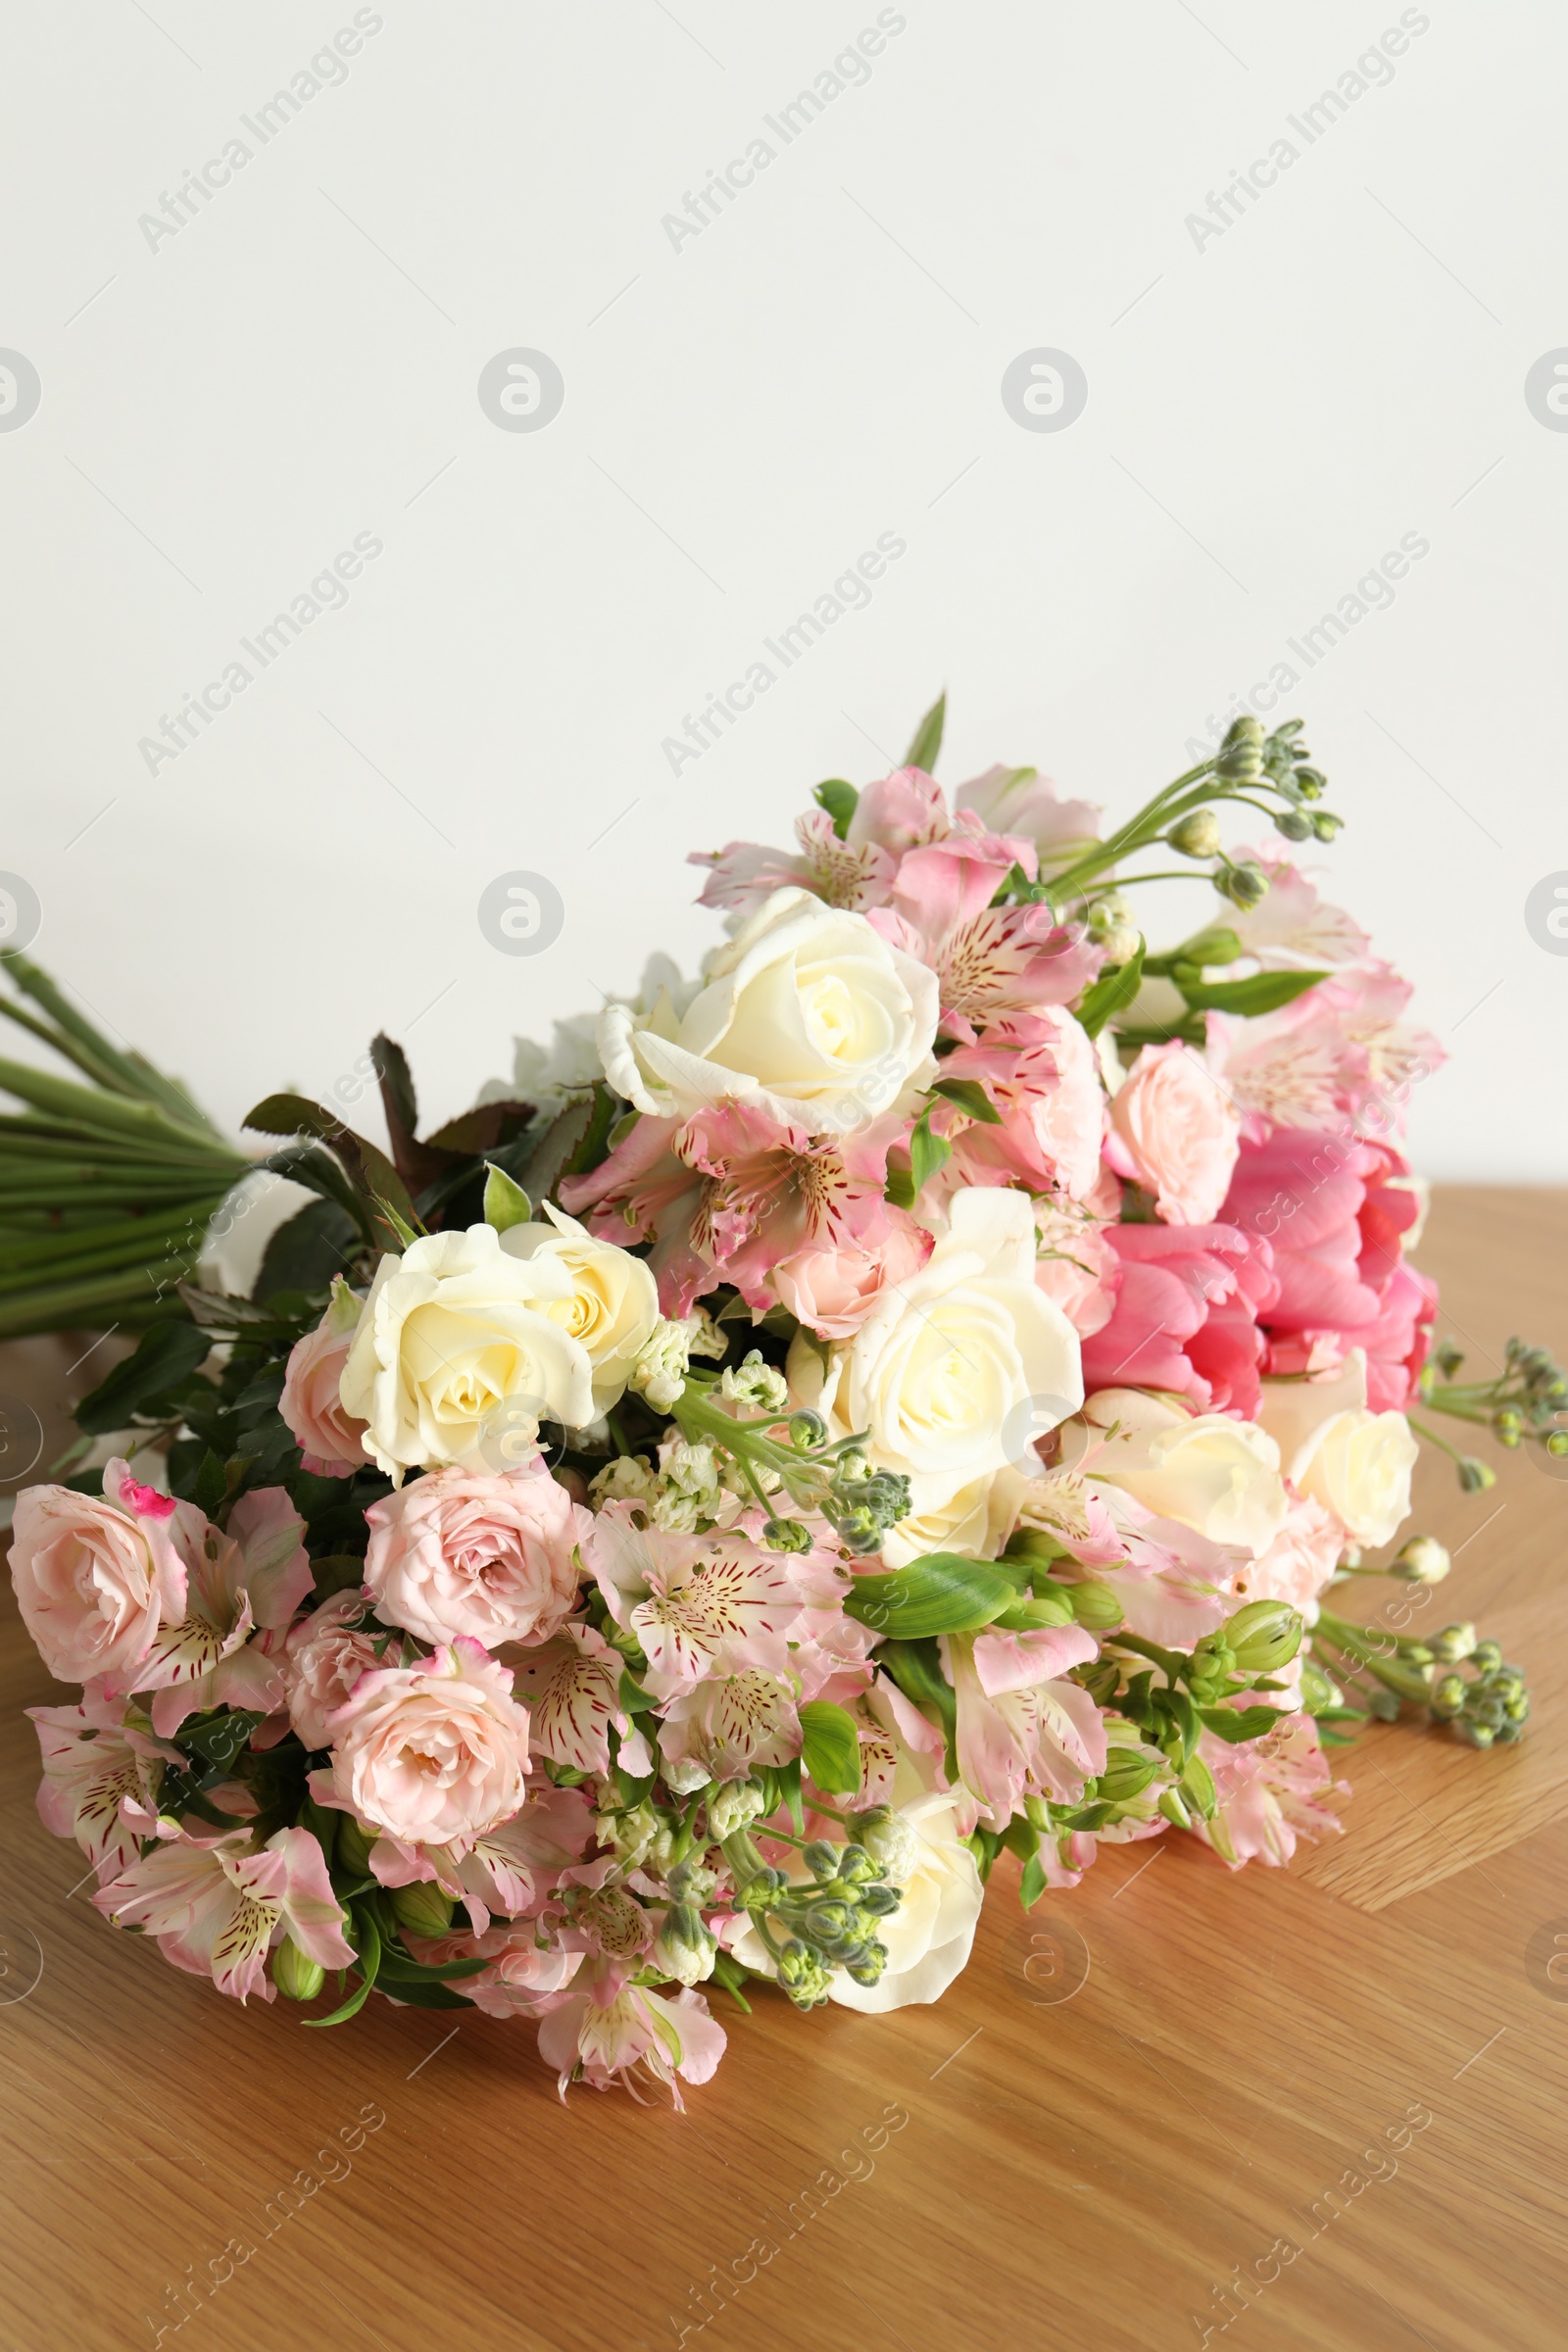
[1248,2061]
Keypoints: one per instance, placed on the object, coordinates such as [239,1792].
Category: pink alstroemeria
[1292,926]
[216,1905]
[611,2030]
[1339,1054]
[989,960]
[743,875]
[902,811]
[525,1976]
[507,1870]
[1272,1793]
[727,1726]
[92,1762]
[253,1578]
[733,1195]
[1023,1731]
[712,1609]
[1039,1072]
[572,1685]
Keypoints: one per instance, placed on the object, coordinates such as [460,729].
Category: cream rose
[452,1332]
[613,1307]
[1211,1473]
[1354,1462]
[807,1013]
[1174,1128]
[963,1364]
[433,1753]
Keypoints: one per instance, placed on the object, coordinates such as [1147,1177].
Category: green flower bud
[880,1900]
[733,1805]
[1295,824]
[821,1858]
[1325,823]
[1486,1657]
[1264,1635]
[1475,1476]
[353,1849]
[298,1978]
[684,1948]
[692,1881]
[890,1841]
[1245,885]
[422,1908]
[1127,1775]
[1449,1695]
[787,1534]
[1197,835]
[1174,1810]
[1421,1561]
[1096,1606]
[868,1970]
[1456,1642]
[1474,1735]
[807,1429]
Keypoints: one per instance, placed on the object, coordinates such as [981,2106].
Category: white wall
[1269,410]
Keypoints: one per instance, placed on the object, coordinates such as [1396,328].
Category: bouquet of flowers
[897,1401]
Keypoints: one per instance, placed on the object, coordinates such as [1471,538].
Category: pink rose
[833,1291]
[95,1579]
[325,1659]
[1335,1211]
[1076,1265]
[1176,1132]
[328,1437]
[1187,1315]
[435,1753]
[1299,1561]
[460,1552]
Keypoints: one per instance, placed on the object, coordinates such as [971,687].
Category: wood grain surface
[1343,2084]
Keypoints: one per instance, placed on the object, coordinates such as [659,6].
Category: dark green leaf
[633,1698]
[371,1175]
[219,1739]
[1111,993]
[397,1968]
[413,1996]
[1264,992]
[831,1756]
[212,1482]
[941,1593]
[970,1098]
[305,1253]
[926,742]
[166,1357]
[916,1668]
[839,800]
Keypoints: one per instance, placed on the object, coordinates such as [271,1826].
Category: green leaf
[927,1153]
[1238,1724]
[916,1668]
[425,1996]
[732,1975]
[1032,1885]
[1264,992]
[397,1968]
[839,800]
[970,1098]
[371,1174]
[212,1484]
[305,1253]
[788,1779]
[352,2006]
[1111,993]
[942,1593]
[1219,946]
[219,1739]
[926,743]
[505,1203]
[635,1699]
[1027,1616]
[163,1364]
[831,1756]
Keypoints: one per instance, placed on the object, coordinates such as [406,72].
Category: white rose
[1354,1462]
[945,1516]
[613,1307]
[930,1936]
[1211,1473]
[961,1366]
[451,1331]
[807,1013]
